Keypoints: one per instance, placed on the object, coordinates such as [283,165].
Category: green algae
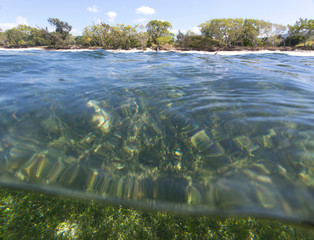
[29,215]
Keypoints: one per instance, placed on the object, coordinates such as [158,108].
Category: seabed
[30,215]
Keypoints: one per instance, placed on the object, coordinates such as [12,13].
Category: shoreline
[235,51]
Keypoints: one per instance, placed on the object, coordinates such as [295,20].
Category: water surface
[184,132]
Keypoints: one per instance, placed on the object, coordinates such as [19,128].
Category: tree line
[215,33]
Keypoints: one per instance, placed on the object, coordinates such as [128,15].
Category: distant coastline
[215,35]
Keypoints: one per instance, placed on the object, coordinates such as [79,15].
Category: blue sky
[182,14]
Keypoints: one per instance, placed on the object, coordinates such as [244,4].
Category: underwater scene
[217,135]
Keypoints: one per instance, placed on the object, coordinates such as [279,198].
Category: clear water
[210,134]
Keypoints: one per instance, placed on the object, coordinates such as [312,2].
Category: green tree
[302,29]
[15,37]
[62,28]
[24,36]
[265,32]
[224,30]
[233,30]
[2,38]
[158,32]
[96,35]
[196,42]
[180,39]
[142,36]
[132,40]
[61,38]
[279,31]
[37,37]
[213,29]
[104,35]
[270,33]
[116,37]
[123,36]
[251,31]
[86,39]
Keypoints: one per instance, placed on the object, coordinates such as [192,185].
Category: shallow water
[186,132]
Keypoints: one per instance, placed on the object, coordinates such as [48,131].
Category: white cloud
[145,10]
[19,20]
[76,32]
[93,9]
[5,26]
[174,31]
[140,20]
[196,30]
[111,16]
[96,21]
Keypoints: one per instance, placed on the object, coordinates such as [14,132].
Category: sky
[182,14]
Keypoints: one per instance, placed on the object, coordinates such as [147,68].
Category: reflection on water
[187,132]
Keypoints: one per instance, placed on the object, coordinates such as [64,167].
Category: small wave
[74,50]
[232,53]
[226,53]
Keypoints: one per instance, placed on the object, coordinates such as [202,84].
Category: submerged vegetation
[215,34]
[39,216]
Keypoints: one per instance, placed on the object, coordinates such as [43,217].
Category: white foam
[43,49]
[308,53]
[230,53]
[21,49]
[71,50]
[300,53]
[129,51]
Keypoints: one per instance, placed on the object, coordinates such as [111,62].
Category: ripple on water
[217,134]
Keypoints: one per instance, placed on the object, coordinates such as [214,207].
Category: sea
[230,133]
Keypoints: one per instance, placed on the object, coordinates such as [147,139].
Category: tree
[265,31]
[37,37]
[158,32]
[62,28]
[276,37]
[233,30]
[24,36]
[180,39]
[123,36]
[213,29]
[2,38]
[141,35]
[190,40]
[97,35]
[224,30]
[130,34]
[251,31]
[117,37]
[61,38]
[302,29]
[104,35]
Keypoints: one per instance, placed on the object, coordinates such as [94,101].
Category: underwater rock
[100,117]
[201,141]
